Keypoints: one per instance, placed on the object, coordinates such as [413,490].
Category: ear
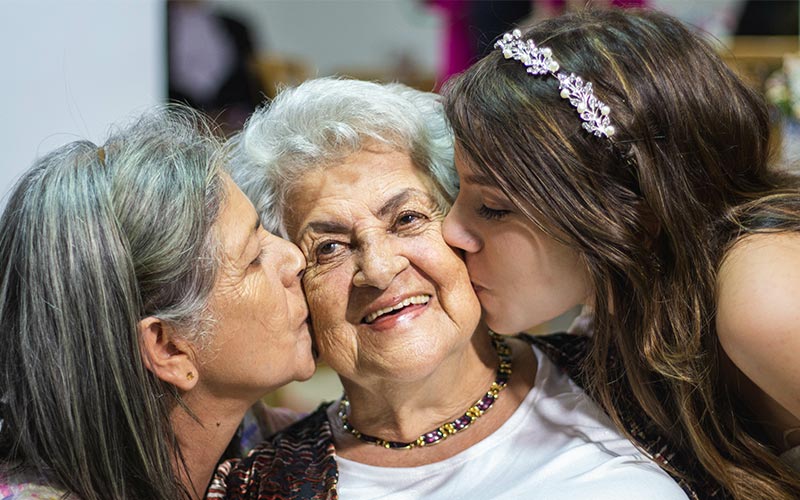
[169,357]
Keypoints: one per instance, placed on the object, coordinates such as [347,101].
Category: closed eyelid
[494,196]
[260,248]
[252,249]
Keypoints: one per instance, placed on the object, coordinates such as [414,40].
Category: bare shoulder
[759,284]
[758,312]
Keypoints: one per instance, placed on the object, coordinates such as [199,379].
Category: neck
[203,440]
[402,411]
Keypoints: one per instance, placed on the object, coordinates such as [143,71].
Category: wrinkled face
[522,276]
[260,338]
[388,297]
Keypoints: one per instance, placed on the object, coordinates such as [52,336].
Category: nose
[456,232]
[293,263]
[379,262]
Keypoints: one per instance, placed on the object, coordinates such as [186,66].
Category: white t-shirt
[557,445]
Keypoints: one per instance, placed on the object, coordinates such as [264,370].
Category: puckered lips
[395,307]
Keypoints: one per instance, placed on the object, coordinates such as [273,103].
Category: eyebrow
[391,205]
[400,199]
[480,179]
[326,227]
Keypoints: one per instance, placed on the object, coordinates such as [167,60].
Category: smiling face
[260,338]
[388,297]
[522,276]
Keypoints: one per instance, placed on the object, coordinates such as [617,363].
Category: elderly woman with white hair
[144,309]
[360,175]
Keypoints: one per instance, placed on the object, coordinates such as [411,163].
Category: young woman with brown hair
[610,158]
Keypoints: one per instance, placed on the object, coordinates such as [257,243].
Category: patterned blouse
[23,487]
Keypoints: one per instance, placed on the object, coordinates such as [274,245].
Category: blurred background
[70,68]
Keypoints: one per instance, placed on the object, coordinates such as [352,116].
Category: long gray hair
[323,121]
[92,241]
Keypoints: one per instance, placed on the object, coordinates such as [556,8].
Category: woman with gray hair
[360,175]
[144,309]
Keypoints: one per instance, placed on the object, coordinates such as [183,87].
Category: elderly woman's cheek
[318,287]
[229,289]
[445,268]
[446,265]
[327,308]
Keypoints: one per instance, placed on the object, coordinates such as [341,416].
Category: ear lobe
[166,355]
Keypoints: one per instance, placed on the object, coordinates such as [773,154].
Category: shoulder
[570,353]
[23,488]
[260,422]
[623,477]
[758,286]
[758,318]
[567,351]
[32,491]
[561,348]
[293,463]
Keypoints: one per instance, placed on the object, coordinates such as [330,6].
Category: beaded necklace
[447,429]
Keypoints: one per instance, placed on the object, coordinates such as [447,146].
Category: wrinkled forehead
[367,183]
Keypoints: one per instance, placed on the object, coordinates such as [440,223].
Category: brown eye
[409,218]
[327,248]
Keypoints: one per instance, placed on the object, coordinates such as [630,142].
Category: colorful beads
[449,428]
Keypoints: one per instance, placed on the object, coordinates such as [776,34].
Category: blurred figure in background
[210,62]
[471,27]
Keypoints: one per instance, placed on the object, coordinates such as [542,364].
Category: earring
[189,375]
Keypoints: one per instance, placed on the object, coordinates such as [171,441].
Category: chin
[308,367]
[410,368]
[307,373]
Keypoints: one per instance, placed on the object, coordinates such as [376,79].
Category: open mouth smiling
[396,308]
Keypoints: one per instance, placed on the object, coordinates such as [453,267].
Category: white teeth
[417,299]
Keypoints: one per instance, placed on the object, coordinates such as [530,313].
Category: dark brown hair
[652,211]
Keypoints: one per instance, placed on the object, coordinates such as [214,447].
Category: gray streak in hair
[88,247]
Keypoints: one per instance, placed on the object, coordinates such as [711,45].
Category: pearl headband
[593,112]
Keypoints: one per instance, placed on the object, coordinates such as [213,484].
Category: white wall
[340,35]
[70,68]
[335,35]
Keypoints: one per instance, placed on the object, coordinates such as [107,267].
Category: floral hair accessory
[539,61]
